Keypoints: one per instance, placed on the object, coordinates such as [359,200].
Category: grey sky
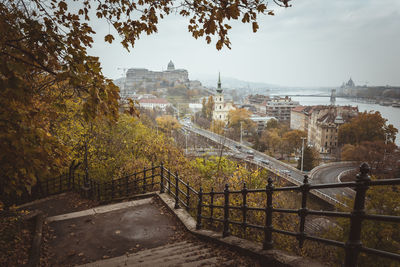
[313,43]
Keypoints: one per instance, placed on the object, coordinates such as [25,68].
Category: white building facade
[154,103]
[221,108]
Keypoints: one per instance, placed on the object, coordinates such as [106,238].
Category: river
[390,113]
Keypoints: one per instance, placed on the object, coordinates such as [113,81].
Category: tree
[377,154]
[311,159]
[209,108]
[367,126]
[44,61]
[240,119]
[204,108]
[272,124]
[168,123]
[217,126]
[292,141]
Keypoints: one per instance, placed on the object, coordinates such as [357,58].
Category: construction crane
[123,71]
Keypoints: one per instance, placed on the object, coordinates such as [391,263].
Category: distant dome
[339,119]
[171,65]
[350,83]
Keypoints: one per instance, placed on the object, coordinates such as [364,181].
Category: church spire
[219,89]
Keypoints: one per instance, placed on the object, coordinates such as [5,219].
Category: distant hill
[228,82]
[248,87]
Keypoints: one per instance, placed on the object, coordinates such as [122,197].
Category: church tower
[219,97]
[221,108]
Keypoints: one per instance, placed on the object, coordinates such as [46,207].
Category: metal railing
[160,178]
[353,246]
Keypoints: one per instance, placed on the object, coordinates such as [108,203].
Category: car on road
[250,157]
[238,146]
[265,161]
[287,172]
[250,152]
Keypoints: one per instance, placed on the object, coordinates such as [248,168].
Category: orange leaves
[63,6]
[109,38]
[255,26]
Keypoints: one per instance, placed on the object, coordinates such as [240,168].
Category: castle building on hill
[140,78]
[221,108]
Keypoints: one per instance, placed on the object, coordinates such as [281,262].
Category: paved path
[134,233]
[189,254]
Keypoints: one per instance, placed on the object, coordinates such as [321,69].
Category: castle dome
[171,65]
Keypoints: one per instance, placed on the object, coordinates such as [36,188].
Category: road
[329,174]
[281,169]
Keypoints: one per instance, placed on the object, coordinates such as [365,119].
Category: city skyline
[311,44]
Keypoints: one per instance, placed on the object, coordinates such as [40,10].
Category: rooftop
[153,101]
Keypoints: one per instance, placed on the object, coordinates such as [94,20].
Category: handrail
[353,245]
[183,194]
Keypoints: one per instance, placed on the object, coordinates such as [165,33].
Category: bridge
[275,166]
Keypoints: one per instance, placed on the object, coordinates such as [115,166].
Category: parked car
[238,146]
[250,152]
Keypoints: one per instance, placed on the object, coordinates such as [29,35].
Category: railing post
[303,211]
[169,182]
[120,187]
[135,186]
[199,205]
[226,231]
[69,176]
[161,178]
[268,243]
[144,179]
[112,188]
[98,191]
[244,207]
[73,179]
[92,190]
[47,187]
[176,191]
[152,176]
[188,196]
[126,185]
[353,244]
[211,204]
[60,187]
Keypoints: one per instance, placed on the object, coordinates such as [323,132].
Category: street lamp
[302,152]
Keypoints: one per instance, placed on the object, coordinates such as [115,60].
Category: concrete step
[176,254]
[180,259]
[168,253]
[155,250]
[204,262]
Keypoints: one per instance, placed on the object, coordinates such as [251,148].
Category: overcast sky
[313,43]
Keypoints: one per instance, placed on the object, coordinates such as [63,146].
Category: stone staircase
[185,253]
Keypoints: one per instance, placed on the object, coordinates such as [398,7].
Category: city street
[327,174]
